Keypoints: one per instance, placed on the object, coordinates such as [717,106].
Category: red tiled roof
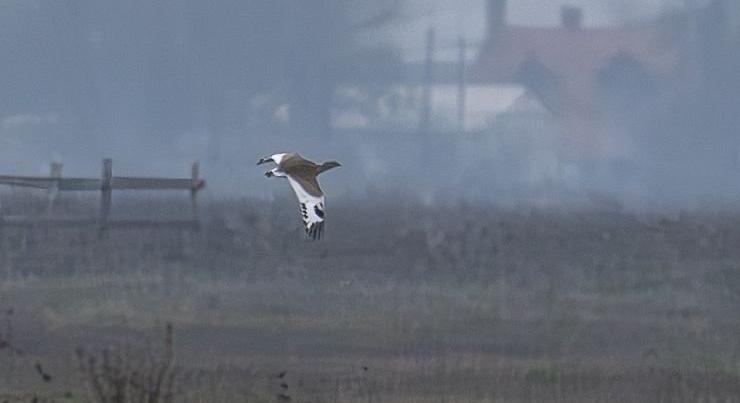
[575,56]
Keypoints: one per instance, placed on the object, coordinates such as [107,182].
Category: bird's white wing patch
[312,210]
[278,158]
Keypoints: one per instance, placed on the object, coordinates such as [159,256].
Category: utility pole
[426,102]
[461,55]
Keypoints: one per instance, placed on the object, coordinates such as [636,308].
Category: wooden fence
[106,184]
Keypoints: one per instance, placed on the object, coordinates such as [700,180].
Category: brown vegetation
[403,302]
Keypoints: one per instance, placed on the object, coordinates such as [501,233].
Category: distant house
[398,105]
[581,74]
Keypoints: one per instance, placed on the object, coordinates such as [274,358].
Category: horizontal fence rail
[85,184]
[55,183]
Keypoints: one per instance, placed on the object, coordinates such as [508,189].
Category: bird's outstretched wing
[312,209]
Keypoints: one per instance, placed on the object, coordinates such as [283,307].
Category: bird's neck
[278,157]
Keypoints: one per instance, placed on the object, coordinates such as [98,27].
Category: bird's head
[264,160]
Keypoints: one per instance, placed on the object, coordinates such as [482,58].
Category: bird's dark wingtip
[316,231]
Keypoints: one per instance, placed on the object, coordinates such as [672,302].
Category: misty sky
[466,17]
[155,88]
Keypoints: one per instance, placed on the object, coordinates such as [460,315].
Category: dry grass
[420,303]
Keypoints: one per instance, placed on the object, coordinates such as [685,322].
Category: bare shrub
[121,375]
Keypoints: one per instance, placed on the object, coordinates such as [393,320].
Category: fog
[538,201]
[156,86]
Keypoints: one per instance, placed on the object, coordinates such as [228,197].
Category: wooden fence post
[105,193]
[55,172]
[5,249]
[196,185]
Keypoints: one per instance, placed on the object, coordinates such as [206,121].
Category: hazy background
[158,85]
[568,233]
[467,18]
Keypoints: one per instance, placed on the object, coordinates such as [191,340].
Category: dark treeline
[164,67]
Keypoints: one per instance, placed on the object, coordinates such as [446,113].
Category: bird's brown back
[303,171]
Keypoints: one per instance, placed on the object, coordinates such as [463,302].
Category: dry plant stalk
[121,375]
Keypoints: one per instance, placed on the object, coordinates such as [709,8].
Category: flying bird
[301,174]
